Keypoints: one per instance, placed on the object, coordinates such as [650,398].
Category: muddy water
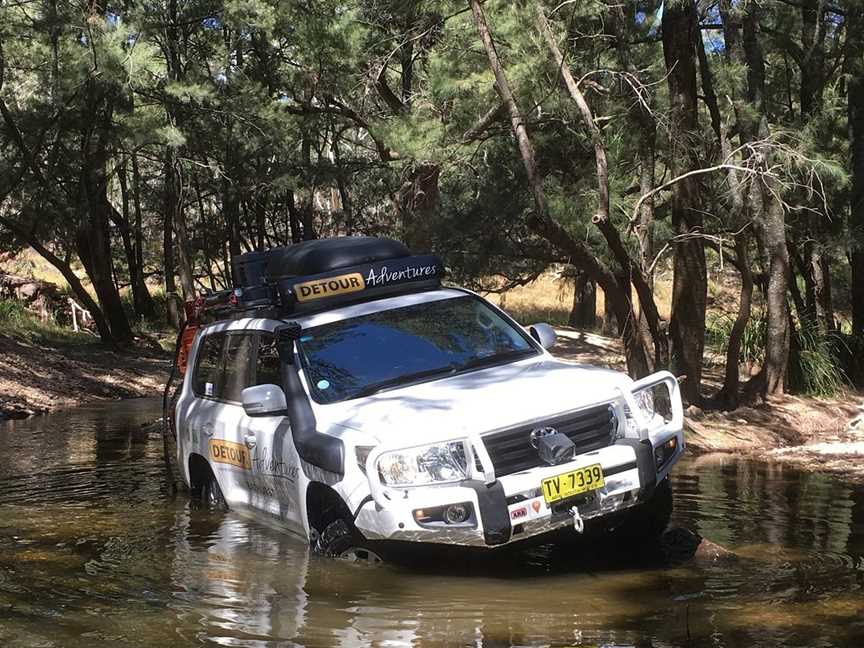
[95,552]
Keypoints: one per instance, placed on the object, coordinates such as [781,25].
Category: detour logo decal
[330,286]
[227,452]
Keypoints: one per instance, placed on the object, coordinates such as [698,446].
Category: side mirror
[544,334]
[264,400]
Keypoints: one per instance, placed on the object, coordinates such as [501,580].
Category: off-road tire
[648,521]
[340,539]
[209,495]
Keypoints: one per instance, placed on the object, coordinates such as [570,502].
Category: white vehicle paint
[259,469]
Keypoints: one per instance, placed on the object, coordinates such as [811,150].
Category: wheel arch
[200,471]
[323,506]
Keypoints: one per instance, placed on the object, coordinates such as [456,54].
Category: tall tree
[690,281]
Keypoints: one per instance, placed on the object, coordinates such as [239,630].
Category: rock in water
[680,545]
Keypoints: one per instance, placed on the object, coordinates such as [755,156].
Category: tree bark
[690,281]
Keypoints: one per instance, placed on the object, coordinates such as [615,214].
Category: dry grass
[550,298]
[29,264]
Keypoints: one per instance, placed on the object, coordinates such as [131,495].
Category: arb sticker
[330,286]
[235,454]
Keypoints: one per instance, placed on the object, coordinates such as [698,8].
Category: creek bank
[813,434]
[37,377]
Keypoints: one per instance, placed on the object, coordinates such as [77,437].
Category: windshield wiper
[402,381]
[451,369]
[498,358]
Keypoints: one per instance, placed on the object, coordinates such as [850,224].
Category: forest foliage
[149,141]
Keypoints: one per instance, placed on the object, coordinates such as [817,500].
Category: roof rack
[316,275]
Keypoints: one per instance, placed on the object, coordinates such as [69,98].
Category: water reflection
[94,551]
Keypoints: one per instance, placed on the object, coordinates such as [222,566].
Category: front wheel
[339,539]
[207,493]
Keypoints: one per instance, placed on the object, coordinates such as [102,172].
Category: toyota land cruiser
[343,391]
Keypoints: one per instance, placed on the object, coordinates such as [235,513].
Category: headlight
[645,402]
[434,464]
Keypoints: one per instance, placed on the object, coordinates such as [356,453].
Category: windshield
[393,348]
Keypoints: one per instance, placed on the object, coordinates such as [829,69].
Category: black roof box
[312,258]
[319,274]
[324,255]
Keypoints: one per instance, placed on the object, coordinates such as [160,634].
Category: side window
[267,366]
[205,380]
[237,365]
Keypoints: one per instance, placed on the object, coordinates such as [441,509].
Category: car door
[221,370]
[276,478]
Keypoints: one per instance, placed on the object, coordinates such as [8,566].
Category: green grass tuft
[819,368]
[18,322]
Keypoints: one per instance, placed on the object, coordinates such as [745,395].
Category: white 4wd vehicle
[343,392]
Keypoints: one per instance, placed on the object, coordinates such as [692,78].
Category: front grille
[589,429]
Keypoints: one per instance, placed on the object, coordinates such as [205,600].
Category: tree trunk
[741,35]
[609,325]
[805,305]
[813,56]
[144,301]
[690,281]
[94,232]
[820,264]
[546,226]
[855,108]
[93,245]
[169,208]
[294,218]
[141,300]
[771,221]
[583,315]
[773,232]
[728,396]
[184,259]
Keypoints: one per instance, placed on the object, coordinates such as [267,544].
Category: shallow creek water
[95,551]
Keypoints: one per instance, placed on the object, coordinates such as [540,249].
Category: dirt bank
[38,377]
[814,434]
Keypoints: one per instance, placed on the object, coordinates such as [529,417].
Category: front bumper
[512,508]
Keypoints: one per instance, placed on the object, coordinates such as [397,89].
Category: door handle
[250,441]
[207,429]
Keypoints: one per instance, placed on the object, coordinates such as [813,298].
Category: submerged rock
[680,545]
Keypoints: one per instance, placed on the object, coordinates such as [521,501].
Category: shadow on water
[94,551]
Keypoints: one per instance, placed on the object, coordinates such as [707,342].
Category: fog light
[663,453]
[456,514]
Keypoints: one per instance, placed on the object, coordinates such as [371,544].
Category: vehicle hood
[479,401]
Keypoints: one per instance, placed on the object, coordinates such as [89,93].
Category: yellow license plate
[572,483]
